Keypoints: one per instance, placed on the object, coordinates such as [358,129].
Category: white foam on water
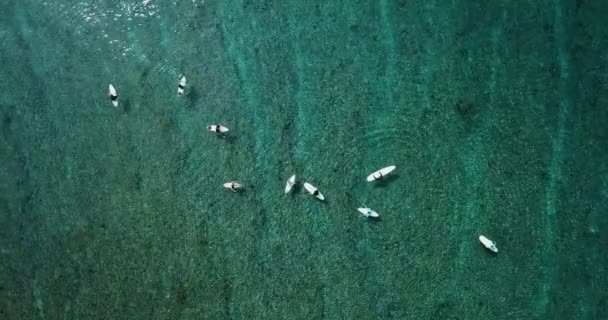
[555,165]
[89,18]
[4,36]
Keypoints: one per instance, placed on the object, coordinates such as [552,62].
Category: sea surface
[494,112]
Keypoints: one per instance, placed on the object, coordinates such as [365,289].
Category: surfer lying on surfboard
[367,212]
[181,86]
[217,128]
[290,183]
[113,95]
[313,191]
[489,244]
[232,185]
[379,174]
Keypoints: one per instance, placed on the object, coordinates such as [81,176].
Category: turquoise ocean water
[494,113]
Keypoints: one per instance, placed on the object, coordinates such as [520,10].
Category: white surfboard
[313,191]
[367,212]
[113,95]
[489,244]
[377,175]
[217,128]
[290,183]
[181,86]
[232,185]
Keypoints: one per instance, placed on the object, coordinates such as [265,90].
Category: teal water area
[494,113]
